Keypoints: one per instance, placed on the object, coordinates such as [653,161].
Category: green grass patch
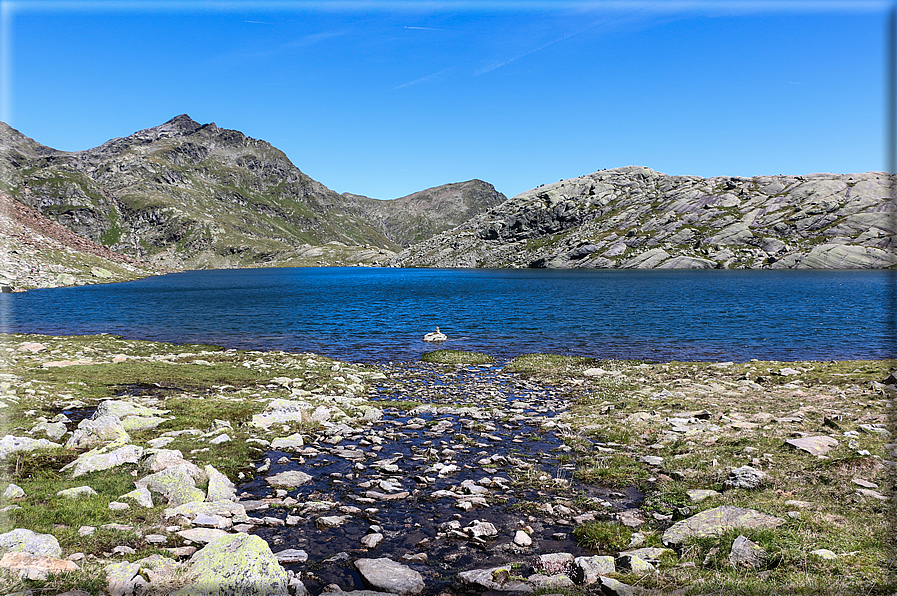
[613,470]
[603,536]
[457,357]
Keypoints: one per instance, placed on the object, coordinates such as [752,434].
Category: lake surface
[378,315]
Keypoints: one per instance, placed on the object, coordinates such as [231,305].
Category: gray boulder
[220,487]
[494,578]
[588,570]
[21,540]
[389,576]
[175,484]
[746,553]
[235,565]
[10,444]
[104,429]
[714,522]
[103,459]
[745,477]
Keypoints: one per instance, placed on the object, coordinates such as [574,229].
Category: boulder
[387,575]
[77,492]
[235,565]
[588,570]
[13,491]
[494,578]
[813,445]
[25,541]
[97,431]
[35,566]
[220,487]
[103,459]
[162,459]
[291,478]
[175,484]
[714,522]
[745,477]
[10,444]
[746,553]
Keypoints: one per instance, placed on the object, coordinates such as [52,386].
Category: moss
[457,357]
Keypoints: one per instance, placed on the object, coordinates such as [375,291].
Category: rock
[202,534]
[554,562]
[175,484]
[25,541]
[290,479]
[372,540]
[481,530]
[587,570]
[746,553]
[222,438]
[220,487]
[697,495]
[35,567]
[100,272]
[521,538]
[66,279]
[494,578]
[140,495]
[102,459]
[281,411]
[714,522]
[101,430]
[162,459]
[542,582]
[389,576]
[634,564]
[819,445]
[745,477]
[11,444]
[53,430]
[121,578]
[290,443]
[824,554]
[13,491]
[235,564]
[612,587]
[291,555]
[77,492]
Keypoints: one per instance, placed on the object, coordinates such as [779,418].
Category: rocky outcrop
[634,217]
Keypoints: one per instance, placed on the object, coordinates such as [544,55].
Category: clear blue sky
[388,98]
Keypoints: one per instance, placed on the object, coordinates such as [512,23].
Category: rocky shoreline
[144,468]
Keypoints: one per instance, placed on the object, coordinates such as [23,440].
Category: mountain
[634,217]
[184,194]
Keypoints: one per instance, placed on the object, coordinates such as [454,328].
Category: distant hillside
[184,194]
[418,216]
[634,217]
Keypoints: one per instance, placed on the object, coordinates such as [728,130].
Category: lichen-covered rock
[97,431]
[162,459]
[235,565]
[21,540]
[495,578]
[103,459]
[77,492]
[175,484]
[714,522]
[220,487]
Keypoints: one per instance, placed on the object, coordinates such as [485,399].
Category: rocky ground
[37,253]
[143,468]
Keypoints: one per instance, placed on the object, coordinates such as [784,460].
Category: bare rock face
[634,217]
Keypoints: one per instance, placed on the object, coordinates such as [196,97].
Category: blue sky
[387,98]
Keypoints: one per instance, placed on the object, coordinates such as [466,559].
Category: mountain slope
[184,194]
[634,217]
[420,215]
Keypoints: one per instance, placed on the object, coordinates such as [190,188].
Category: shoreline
[673,431]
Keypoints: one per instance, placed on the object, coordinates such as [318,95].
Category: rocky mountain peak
[182,123]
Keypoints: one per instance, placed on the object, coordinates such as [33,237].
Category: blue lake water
[369,314]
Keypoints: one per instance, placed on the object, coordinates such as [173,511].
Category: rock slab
[387,575]
[714,522]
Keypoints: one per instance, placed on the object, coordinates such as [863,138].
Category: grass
[603,536]
[457,357]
